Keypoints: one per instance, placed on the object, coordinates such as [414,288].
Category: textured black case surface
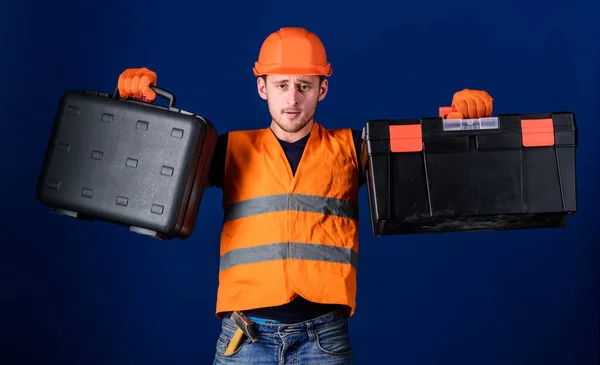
[123,161]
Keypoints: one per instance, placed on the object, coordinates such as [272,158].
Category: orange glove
[135,83]
[471,104]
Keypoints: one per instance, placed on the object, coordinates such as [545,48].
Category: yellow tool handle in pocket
[237,338]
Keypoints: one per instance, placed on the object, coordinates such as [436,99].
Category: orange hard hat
[292,51]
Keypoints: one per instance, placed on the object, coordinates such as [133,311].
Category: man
[290,196]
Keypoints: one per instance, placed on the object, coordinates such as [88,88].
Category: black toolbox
[513,171]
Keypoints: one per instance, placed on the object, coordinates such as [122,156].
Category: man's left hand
[471,104]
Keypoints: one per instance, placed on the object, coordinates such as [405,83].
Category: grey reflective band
[298,202]
[284,251]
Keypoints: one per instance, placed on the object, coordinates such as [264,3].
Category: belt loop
[310,330]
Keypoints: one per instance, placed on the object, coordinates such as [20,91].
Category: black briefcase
[139,165]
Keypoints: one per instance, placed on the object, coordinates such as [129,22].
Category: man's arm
[357,135]
[216,174]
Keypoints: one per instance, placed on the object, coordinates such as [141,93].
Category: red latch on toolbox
[406,138]
[537,132]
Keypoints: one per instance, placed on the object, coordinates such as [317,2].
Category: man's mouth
[292,112]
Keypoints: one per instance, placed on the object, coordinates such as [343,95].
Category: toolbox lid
[436,134]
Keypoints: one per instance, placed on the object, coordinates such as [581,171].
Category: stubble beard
[292,125]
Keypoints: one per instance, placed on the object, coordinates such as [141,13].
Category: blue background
[91,293]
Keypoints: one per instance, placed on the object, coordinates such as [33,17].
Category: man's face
[292,99]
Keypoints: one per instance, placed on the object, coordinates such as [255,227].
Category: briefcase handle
[159,92]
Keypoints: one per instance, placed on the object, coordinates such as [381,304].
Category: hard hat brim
[261,70]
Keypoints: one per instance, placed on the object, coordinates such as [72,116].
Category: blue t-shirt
[299,309]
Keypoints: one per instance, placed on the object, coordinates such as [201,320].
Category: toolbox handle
[445,110]
[159,92]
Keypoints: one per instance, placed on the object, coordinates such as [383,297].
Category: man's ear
[261,87]
[323,88]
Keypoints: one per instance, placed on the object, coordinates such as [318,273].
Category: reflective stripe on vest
[288,250]
[281,202]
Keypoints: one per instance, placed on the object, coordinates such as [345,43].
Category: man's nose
[293,96]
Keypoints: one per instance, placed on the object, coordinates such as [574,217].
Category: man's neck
[291,137]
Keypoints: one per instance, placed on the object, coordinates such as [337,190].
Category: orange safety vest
[286,235]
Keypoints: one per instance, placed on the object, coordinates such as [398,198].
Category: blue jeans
[324,340]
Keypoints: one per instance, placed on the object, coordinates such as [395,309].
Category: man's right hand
[135,83]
